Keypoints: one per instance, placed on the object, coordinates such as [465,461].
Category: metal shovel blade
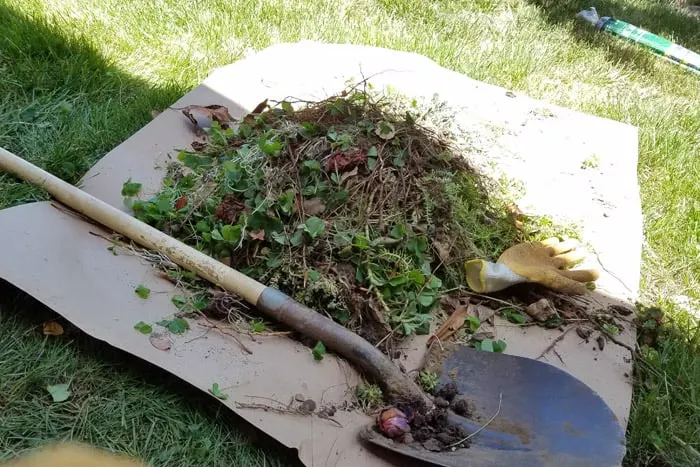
[547,417]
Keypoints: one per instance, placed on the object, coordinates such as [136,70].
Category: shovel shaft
[269,301]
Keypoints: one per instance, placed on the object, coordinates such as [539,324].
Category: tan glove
[539,262]
[72,455]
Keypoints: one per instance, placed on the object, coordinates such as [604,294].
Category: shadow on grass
[63,104]
[659,18]
[63,107]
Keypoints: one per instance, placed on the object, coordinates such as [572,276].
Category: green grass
[78,77]
[116,403]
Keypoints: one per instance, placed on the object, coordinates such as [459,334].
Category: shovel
[536,414]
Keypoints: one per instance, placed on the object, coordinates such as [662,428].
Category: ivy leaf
[216,235]
[274,261]
[343,238]
[202,226]
[143,328]
[314,226]
[269,147]
[399,280]
[398,231]
[499,346]
[319,351]
[179,301]
[286,202]
[257,326]
[474,323]
[216,392]
[313,274]
[308,130]
[361,242]
[371,163]
[142,291]
[426,299]
[312,166]
[434,283]
[59,392]
[417,245]
[297,237]
[486,345]
[372,152]
[130,188]
[385,130]
[417,277]
[514,317]
[176,326]
[287,107]
[279,237]
[193,161]
[232,234]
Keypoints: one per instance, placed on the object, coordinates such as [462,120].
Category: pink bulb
[393,422]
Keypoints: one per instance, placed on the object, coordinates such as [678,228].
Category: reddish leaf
[181,202]
[260,235]
[345,161]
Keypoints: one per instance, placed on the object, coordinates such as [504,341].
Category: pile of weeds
[358,206]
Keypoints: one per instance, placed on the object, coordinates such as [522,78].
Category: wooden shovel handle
[267,300]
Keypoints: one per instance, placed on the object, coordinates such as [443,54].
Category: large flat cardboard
[51,254]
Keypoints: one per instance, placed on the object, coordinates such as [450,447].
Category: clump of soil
[435,432]
[358,206]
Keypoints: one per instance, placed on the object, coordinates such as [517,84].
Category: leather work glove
[72,455]
[539,262]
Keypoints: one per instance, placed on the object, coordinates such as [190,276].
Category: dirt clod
[307,407]
[447,391]
[442,403]
[460,406]
[229,209]
[584,332]
[433,444]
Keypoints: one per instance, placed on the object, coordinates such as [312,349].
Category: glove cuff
[484,276]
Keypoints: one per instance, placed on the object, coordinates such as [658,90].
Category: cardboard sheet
[52,255]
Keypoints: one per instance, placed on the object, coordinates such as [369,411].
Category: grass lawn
[78,77]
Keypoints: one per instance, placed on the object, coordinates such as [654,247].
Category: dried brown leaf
[260,107]
[347,175]
[541,310]
[160,342]
[484,313]
[314,206]
[451,325]
[52,328]
[584,332]
[181,202]
[203,116]
[442,250]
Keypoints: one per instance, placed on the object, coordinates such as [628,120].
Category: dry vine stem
[267,300]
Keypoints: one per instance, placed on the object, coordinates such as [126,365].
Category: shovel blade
[547,417]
